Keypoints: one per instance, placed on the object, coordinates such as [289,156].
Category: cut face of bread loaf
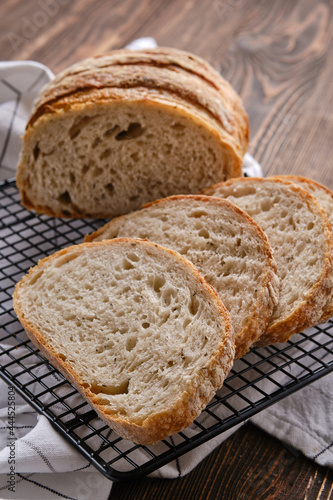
[224,244]
[301,238]
[325,198]
[134,327]
[119,130]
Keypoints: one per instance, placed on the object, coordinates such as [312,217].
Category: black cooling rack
[262,377]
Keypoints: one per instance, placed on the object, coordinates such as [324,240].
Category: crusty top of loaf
[226,246]
[135,327]
[177,72]
[301,237]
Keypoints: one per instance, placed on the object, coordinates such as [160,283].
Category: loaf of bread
[125,128]
[224,244]
[134,327]
[301,237]
[325,198]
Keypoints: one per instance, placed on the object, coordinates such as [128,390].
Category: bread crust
[268,295]
[166,79]
[199,390]
[311,310]
[178,72]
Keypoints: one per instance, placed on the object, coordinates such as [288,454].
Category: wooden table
[279,57]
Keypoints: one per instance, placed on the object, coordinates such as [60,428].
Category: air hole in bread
[238,193]
[69,317]
[36,151]
[133,131]
[35,277]
[72,178]
[197,213]
[65,198]
[156,282]
[133,257]
[168,294]
[97,140]
[131,343]
[184,250]
[111,130]
[110,188]
[64,259]
[145,325]
[62,356]
[121,388]
[97,171]
[78,124]
[178,126]
[106,153]
[193,305]
[310,226]
[164,319]
[265,205]
[203,233]
[127,264]
[135,156]
[187,360]
[88,286]
[85,169]
[292,222]
[186,322]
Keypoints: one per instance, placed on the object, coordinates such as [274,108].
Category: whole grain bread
[325,198]
[224,244]
[119,130]
[301,237]
[134,327]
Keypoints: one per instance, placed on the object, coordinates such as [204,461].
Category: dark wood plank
[250,465]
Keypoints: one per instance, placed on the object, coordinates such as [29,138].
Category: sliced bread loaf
[325,198]
[224,244]
[301,238]
[108,134]
[134,327]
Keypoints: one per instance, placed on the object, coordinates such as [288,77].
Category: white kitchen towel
[46,466]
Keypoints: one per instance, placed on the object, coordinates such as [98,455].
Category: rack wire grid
[259,379]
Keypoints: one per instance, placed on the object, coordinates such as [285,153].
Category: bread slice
[119,130]
[301,238]
[134,327]
[325,198]
[224,244]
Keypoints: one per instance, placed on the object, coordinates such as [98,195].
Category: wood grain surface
[245,467]
[279,57]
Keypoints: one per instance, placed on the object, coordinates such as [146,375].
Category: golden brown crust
[260,315]
[312,309]
[189,404]
[170,79]
[177,72]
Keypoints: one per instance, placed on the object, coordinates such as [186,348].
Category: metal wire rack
[262,377]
